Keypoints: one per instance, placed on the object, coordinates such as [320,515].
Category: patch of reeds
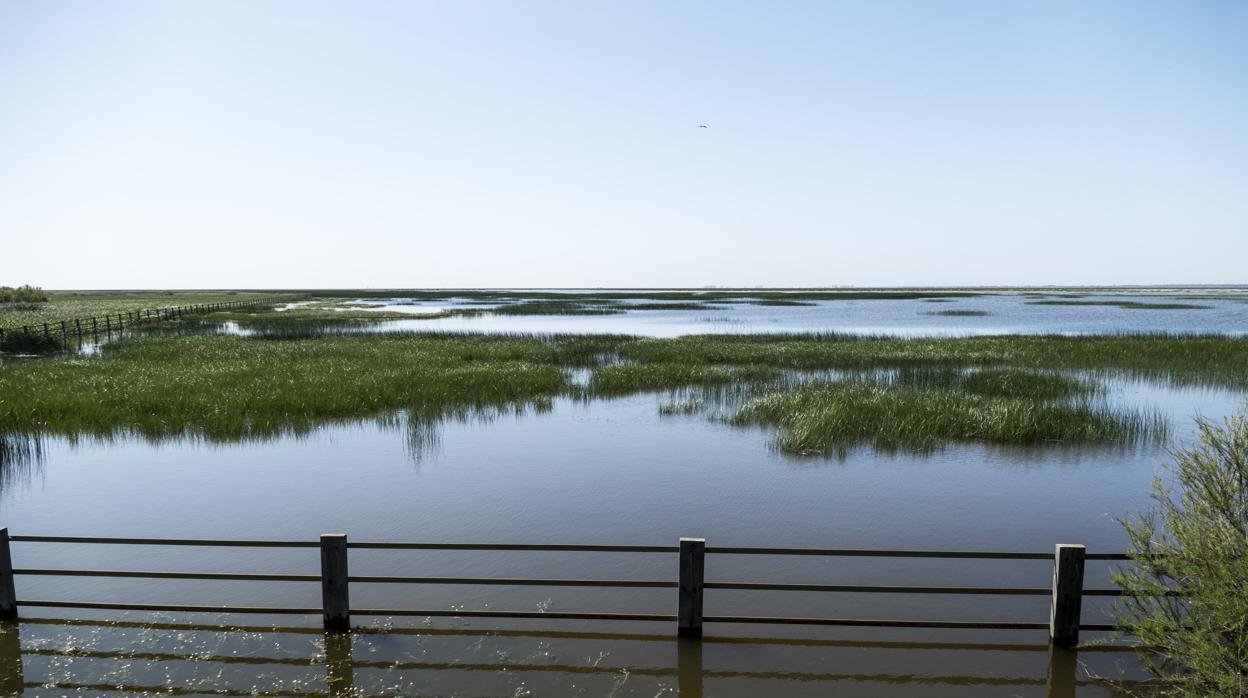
[997,382]
[557,307]
[230,387]
[831,417]
[1215,360]
[619,379]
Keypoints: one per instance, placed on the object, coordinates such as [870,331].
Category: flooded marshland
[641,467]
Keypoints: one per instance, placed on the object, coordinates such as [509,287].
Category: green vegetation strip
[61,305]
[291,376]
[1214,360]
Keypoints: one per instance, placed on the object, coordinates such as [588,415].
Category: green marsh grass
[620,379]
[230,387]
[834,417]
[68,304]
[1214,360]
[557,307]
[998,382]
[295,374]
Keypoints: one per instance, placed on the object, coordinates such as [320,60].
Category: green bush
[1194,545]
[22,294]
[18,342]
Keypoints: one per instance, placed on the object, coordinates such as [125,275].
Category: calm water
[599,471]
[1006,314]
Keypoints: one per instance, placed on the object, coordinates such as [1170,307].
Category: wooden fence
[82,327]
[1064,622]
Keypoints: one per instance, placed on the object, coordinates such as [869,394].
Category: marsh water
[610,471]
[1005,313]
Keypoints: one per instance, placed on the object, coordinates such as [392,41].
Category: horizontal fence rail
[81,328]
[1064,623]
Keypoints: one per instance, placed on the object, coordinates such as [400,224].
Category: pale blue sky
[348,144]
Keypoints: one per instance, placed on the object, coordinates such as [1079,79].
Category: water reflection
[22,455]
[21,459]
[50,656]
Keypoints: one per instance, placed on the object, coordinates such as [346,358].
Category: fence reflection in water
[89,656]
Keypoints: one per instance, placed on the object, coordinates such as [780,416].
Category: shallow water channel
[604,471]
[998,313]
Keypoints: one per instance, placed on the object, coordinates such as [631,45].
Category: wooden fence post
[1067,595]
[8,594]
[335,601]
[692,573]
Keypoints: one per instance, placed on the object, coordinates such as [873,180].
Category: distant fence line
[1064,622]
[94,326]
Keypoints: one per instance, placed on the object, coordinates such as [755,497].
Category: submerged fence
[94,326]
[1064,622]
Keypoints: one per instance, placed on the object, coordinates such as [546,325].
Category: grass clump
[830,417]
[18,342]
[1194,544]
[959,313]
[627,378]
